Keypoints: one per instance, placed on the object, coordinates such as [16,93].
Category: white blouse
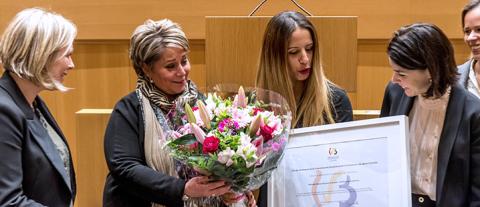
[472,84]
[426,123]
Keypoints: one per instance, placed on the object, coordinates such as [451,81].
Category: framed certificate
[360,163]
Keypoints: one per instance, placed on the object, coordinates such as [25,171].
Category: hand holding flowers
[201,186]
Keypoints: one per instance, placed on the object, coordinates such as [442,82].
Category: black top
[32,172]
[342,108]
[130,182]
[342,111]
[458,164]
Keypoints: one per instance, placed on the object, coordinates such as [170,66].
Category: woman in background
[290,65]
[36,167]
[444,135]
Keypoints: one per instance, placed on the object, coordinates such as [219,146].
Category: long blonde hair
[314,107]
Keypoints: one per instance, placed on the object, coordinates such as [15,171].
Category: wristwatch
[185,197]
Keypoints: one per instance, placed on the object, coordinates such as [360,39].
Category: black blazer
[458,168]
[31,170]
[130,182]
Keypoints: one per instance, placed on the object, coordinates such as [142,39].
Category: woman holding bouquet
[290,65]
[142,173]
[444,135]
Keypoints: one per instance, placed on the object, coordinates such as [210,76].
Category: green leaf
[184,140]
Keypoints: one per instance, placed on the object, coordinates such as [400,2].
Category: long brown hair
[314,108]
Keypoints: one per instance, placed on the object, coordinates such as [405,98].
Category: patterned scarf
[161,100]
[155,106]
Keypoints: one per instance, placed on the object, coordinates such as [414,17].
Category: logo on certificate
[332,154]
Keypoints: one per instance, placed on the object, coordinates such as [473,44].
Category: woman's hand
[231,197]
[201,186]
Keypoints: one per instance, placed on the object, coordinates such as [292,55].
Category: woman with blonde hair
[290,65]
[36,167]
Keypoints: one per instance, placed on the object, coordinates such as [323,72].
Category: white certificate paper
[361,163]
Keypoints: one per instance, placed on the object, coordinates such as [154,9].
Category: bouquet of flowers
[239,140]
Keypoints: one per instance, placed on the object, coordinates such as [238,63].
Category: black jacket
[458,166]
[31,170]
[130,182]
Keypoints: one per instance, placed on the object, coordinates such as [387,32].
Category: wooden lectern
[233,44]
[91,169]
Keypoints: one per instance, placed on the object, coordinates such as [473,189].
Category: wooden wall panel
[116,19]
[339,50]
[373,73]
[233,47]
[462,52]
[197,59]
[91,168]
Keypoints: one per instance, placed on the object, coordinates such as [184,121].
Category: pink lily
[240,100]
[255,125]
[204,114]
[198,132]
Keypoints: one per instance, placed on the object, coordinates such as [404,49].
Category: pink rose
[210,144]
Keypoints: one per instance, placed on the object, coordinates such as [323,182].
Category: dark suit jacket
[458,168]
[464,69]
[31,170]
[130,181]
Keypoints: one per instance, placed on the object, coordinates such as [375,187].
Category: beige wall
[116,19]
